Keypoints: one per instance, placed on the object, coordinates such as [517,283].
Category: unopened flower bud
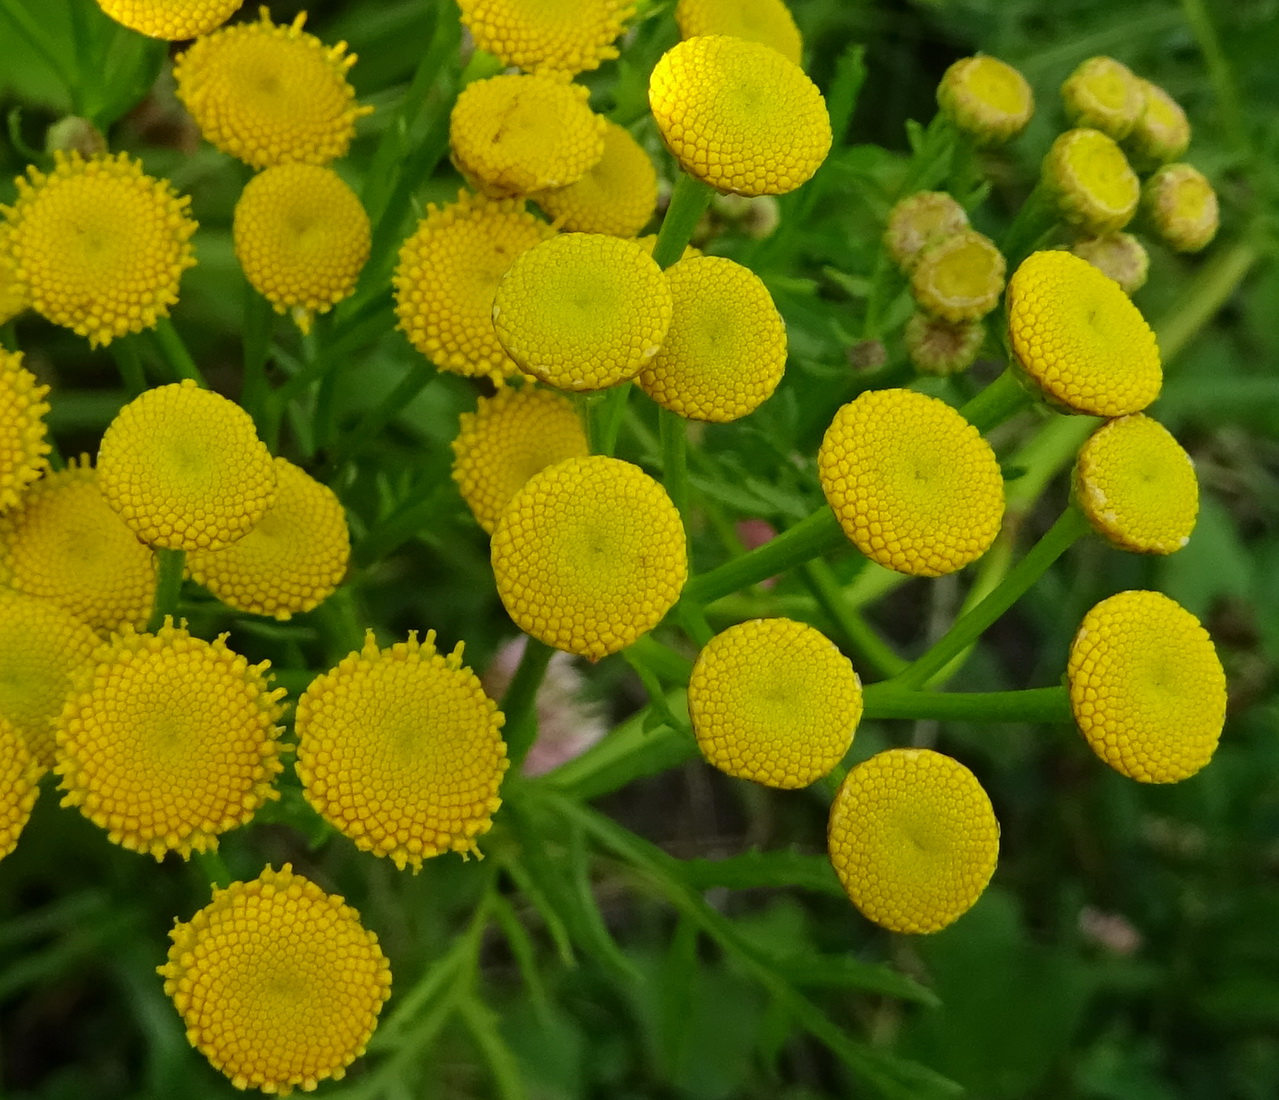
[1162,132]
[1119,255]
[941,347]
[1089,177]
[986,98]
[1181,206]
[1103,94]
[74,134]
[959,278]
[917,221]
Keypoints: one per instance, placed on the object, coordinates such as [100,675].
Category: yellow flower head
[184,468]
[270,94]
[1137,486]
[917,221]
[774,701]
[583,311]
[174,20]
[278,983]
[1119,255]
[66,545]
[169,740]
[1091,181]
[302,238]
[448,273]
[940,347]
[1146,687]
[912,483]
[548,35]
[1181,205]
[766,21]
[291,561]
[97,246]
[13,295]
[987,98]
[24,445]
[401,750]
[1080,338]
[589,555]
[1103,94]
[19,779]
[617,196]
[508,439]
[913,838]
[42,649]
[738,115]
[523,132]
[1162,132]
[959,277]
[726,348]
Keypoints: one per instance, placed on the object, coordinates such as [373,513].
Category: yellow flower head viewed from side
[589,555]
[912,483]
[1181,206]
[617,196]
[1088,175]
[65,544]
[278,983]
[919,220]
[292,560]
[98,246]
[14,298]
[1103,94]
[174,20]
[169,741]
[959,277]
[1162,132]
[583,311]
[1147,688]
[19,779]
[1137,486]
[184,468]
[448,273]
[269,94]
[24,443]
[565,36]
[1077,335]
[913,838]
[738,115]
[401,750]
[937,346]
[508,439]
[302,238]
[767,21]
[986,98]
[774,701]
[1120,256]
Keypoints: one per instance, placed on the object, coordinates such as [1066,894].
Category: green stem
[674,435]
[1000,401]
[867,646]
[1207,292]
[1219,72]
[688,203]
[519,703]
[170,565]
[610,414]
[421,375]
[1036,219]
[663,660]
[214,868]
[811,537]
[175,352]
[968,628]
[1051,704]
[125,353]
[255,392]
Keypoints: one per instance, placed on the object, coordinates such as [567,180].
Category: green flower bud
[986,98]
[937,346]
[1103,94]
[1119,255]
[917,220]
[1181,206]
[1162,133]
[1089,177]
[960,277]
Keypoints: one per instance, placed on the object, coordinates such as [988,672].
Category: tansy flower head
[1137,486]
[583,311]
[508,439]
[1146,687]
[278,983]
[293,558]
[401,750]
[1181,205]
[774,701]
[726,348]
[42,649]
[556,37]
[523,132]
[24,443]
[912,483]
[1118,255]
[447,275]
[19,776]
[1162,132]
[97,246]
[302,237]
[1103,94]
[942,347]
[766,21]
[65,544]
[987,98]
[1091,181]
[1080,338]
[169,740]
[738,115]
[270,94]
[13,296]
[617,196]
[184,468]
[919,219]
[174,20]
[959,277]
[913,838]
[589,555]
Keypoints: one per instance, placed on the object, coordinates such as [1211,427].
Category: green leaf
[755,869]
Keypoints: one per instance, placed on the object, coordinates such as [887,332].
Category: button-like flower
[19,779]
[1181,205]
[936,346]
[774,701]
[535,35]
[171,19]
[1090,179]
[24,443]
[13,295]
[1146,687]
[1162,132]
[917,221]
[766,21]
[278,983]
[1103,94]
[617,196]
[1119,255]
[913,838]
[959,277]
[401,750]
[986,98]
[589,555]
